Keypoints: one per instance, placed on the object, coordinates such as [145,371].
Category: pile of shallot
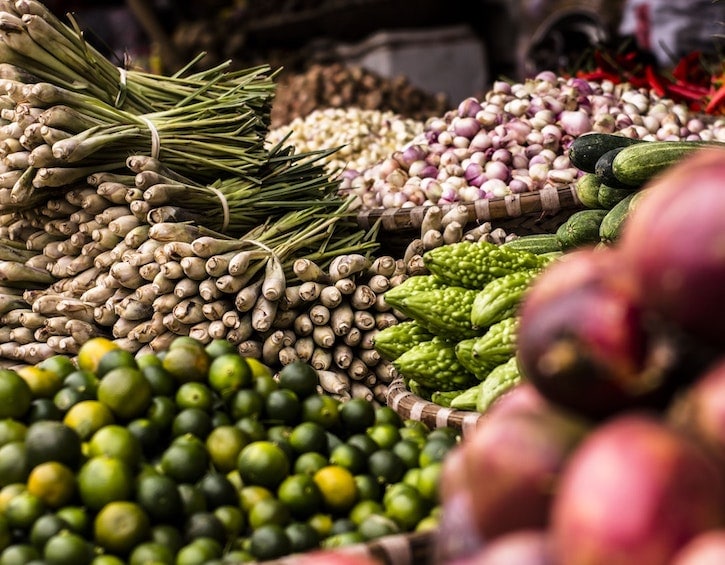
[612,452]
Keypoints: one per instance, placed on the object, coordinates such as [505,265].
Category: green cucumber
[582,228]
[611,225]
[637,164]
[585,150]
[587,190]
[609,196]
[605,174]
[538,243]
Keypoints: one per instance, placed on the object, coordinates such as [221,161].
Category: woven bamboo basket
[410,406]
[531,212]
[416,548]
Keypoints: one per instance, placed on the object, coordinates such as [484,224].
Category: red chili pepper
[655,81]
[716,100]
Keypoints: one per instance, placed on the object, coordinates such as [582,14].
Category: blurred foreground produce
[197,453]
[625,342]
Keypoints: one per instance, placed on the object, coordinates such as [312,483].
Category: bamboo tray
[415,548]
[531,212]
[411,406]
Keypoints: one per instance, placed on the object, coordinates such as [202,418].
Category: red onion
[497,170]
[575,122]
[501,155]
[635,491]
[469,107]
[495,187]
[472,171]
[674,243]
[466,127]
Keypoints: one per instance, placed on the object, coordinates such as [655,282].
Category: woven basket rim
[549,200]
[410,406]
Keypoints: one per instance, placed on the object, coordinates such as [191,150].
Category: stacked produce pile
[515,140]
[362,136]
[612,451]
[337,85]
[198,455]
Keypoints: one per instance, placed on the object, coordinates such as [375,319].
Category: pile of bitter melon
[457,346]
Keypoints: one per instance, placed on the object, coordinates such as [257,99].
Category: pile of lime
[198,455]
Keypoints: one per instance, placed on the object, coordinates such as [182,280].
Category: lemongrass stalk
[115,192]
[76,309]
[385,320]
[145,293]
[323,336]
[242,332]
[106,238]
[135,310]
[194,268]
[200,332]
[304,347]
[358,370]
[379,284]
[231,319]
[247,296]
[287,355]
[78,265]
[416,266]
[186,288]
[208,290]
[12,316]
[189,311]
[342,355]
[96,295]
[334,382]
[165,303]
[144,332]
[149,271]
[138,238]
[363,320]
[271,346]
[319,314]
[173,324]
[123,225]
[342,319]
[263,314]
[307,270]
[363,298]
[310,291]
[127,275]
[345,285]
[13,273]
[330,297]
[274,280]
[122,327]
[215,310]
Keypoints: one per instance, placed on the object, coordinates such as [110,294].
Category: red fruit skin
[523,547]
[635,492]
[508,469]
[706,549]
[674,243]
[700,410]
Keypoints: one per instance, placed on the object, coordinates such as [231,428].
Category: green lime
[308,437]
[386,415]
[409,451]
[233,520]
[368,487]
[363,509]
[269,511]
[116,441]
[120,526]
[224,444]
[246,403]
[151,552]
[376,526]
[81,380]
[162,412]
[299,377]
[43,409]
[255,430]
[364,443]
[113,359]
[302,536]
[12,430]
[433,451]
[218,490]
[263,463]
[192,499]
[193,421]
[23,510]
[185,460]
[61,365]
[68,548]
[14,466]
[187,362]
[126,392]
[406,509]
[282,406]
[49,440]
[46,527]
[77,518]
[309,463]
[321,409]
[229,373]
[199,552]
[300,494]
[264,383]
[386,466]
[15,395]
[269,542]
[159,496]
[194,395]
[104,479]
[429,481]
[342,525]
[19,554]
[338,487]
[167,535]
[350,457]
[218,347]
[357,415]
[161,381]
[342,540]
[321,523]
[204,525]
[251,494]
[148,434]
[385,435]
[67,397]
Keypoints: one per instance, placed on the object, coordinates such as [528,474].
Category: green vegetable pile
[457,344]
[198,454]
